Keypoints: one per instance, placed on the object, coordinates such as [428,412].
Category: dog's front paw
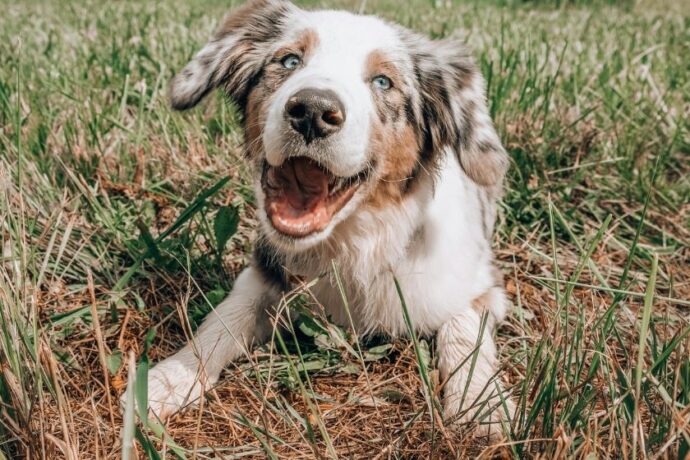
[494,424]
[490,419]
[173,384]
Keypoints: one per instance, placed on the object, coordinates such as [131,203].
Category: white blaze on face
[337,64]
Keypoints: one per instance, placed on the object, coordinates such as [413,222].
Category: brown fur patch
[482,305]
[304,46]
[397,152]
[390,103]
[254,120]
[395,143]
[273,76]
[379,63]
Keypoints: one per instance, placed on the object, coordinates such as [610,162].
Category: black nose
[315,113]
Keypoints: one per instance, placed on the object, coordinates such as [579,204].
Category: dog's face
[340,111]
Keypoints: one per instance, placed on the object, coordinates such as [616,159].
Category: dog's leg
[226,333]
[473,397]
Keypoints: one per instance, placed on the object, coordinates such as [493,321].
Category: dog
[374,155]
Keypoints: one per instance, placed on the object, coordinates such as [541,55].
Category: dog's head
[341,111]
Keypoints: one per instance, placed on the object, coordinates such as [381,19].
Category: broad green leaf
[114,361]
[225,225]
[377,353]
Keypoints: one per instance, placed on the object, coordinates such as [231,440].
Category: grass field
[114,211]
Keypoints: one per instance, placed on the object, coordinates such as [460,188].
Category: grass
[119,232]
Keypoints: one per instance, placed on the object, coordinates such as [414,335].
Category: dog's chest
[435,248]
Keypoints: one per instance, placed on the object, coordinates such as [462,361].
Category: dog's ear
[453,109]
[234,57]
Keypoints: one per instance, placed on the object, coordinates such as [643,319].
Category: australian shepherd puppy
[375,156]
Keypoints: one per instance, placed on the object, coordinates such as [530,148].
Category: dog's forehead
[348,35]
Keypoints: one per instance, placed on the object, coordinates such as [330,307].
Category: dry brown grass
[91,158]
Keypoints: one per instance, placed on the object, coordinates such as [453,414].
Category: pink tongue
[302,182]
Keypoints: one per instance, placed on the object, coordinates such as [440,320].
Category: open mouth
[302,196]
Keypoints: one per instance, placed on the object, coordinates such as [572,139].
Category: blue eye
[290,61]
[382,82]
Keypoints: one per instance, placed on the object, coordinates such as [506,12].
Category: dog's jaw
[290,245]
